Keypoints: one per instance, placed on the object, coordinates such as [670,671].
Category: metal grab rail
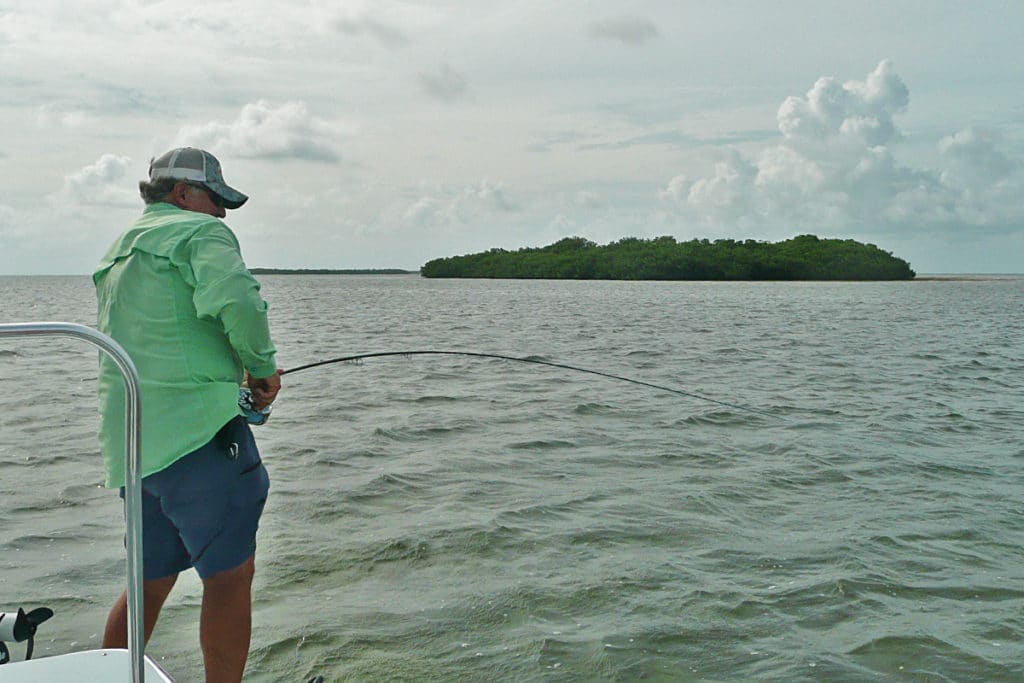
[133,468]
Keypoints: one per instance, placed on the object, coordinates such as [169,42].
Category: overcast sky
[388,133]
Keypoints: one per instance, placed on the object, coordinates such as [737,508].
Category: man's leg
[225,623]
[154,593]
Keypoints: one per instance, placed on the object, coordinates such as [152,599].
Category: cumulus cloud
[445,84]
[628,30]
[103,183]
[727,191]
[446,207]
[837,166]
[975,158]
[265,131]
[858,110]
[491,195]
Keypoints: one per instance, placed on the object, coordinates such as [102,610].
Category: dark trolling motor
[258,417]
[16,627]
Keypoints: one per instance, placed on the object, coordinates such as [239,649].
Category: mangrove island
[663,258]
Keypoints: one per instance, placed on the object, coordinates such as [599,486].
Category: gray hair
[154,191]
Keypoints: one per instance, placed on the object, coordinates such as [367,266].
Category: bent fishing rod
[527,359]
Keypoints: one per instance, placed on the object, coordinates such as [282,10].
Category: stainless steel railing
[133,468]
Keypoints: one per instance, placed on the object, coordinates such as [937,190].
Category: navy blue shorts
[203,510]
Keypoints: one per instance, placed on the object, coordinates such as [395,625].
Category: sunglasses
[214,197]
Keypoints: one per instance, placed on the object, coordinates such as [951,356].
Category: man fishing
[175,293]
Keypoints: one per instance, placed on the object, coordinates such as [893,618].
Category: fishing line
[535,361]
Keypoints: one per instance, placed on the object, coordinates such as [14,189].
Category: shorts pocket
[251,483]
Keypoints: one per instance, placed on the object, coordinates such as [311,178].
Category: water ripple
[474,520]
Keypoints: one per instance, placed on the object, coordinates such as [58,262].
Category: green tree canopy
[805,257]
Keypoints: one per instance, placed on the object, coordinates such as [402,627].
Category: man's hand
[264,389]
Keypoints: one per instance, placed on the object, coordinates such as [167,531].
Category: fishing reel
[252,416]
[20,626]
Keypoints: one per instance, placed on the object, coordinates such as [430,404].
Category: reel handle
[252,416]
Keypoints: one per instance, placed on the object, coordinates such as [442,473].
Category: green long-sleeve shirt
[174,292]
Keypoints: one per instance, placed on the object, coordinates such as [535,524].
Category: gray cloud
[628,30]
[388,35]
[118,98]
[265,131]
[677,138]
[445,84]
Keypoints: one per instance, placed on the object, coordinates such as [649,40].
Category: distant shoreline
[924,277]
[331,271]
[967,277]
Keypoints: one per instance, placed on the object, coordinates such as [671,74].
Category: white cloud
[783,169]
[725,195]
[975,159]
[629,30]
[677,189]
[490,195]
[445,84]
[861,110]
[50,116]
[103,183]
[836,167]
[456,208]
[263,131]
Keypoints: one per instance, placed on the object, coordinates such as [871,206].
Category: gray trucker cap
[198,167]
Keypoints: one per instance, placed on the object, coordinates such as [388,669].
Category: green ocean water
[465,519]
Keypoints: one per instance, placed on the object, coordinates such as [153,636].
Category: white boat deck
[90,666]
